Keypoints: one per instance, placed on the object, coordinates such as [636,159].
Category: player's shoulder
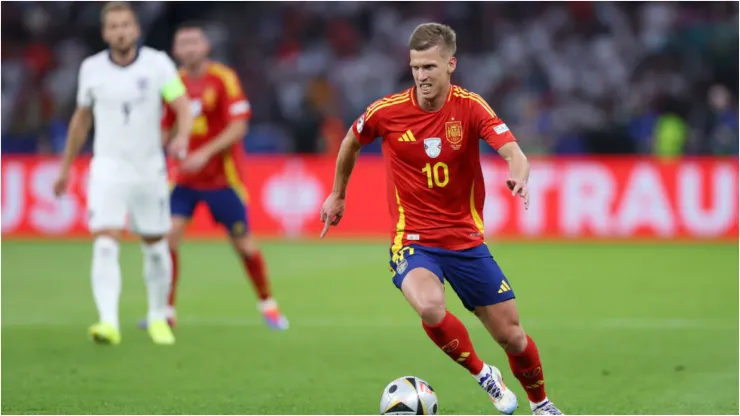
[221,71]
[469,100]
[390,104]
[460,95]
[96,60]
[151,55]
[225,75]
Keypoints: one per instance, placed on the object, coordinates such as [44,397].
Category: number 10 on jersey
[437,174]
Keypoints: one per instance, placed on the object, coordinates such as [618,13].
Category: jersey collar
[416,104]
[136,57]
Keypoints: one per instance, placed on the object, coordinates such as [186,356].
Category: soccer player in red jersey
[209,173]
[436,192]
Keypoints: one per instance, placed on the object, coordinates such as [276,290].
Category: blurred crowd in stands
[568,78]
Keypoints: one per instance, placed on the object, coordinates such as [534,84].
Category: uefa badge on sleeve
[433,146]
[360,123]
[501,129]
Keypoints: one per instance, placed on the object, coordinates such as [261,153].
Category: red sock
[451,336]
[527,368]
[256,269]
[175,275]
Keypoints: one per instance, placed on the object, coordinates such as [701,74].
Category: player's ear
[451,64]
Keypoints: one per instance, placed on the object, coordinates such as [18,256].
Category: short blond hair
[114,6]
[429,35]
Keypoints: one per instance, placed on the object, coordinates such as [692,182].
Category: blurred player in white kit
[122,88]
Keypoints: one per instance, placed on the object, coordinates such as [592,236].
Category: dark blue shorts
[225,204]
[473,273]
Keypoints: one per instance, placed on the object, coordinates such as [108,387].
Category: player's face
[432,69]
[191,46]
[121,31]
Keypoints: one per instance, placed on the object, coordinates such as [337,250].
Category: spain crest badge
[209,98]
[454,133]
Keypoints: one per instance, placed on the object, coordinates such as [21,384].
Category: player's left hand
[195,162]
[179,146]
[519,187]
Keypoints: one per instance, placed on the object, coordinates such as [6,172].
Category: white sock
[157,275]
[266,304]
[534,405]
[483,372]
[106,279]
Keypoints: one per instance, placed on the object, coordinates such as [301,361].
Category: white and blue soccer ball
[408,396]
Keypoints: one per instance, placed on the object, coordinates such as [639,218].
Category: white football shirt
[127,108]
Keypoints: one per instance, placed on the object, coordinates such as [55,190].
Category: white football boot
[490,379]
[545,408]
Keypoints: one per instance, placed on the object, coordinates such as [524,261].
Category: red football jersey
[216,100]
[432,162]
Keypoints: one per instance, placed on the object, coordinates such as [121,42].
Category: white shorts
[145,203]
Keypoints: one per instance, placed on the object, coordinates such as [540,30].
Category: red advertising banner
[610,198]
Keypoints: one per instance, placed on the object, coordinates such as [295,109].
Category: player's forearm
[517,160]
[348,153]
[79,128]
[166,136]
[233,133]
[181,107]
[184,121]
[519,167]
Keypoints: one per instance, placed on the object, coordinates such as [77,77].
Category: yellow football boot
[104,333]
[160,332]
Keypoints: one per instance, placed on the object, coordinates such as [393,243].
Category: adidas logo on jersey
[504,287]
[407,137]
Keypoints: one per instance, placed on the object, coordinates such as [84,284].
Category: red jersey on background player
[209,173]
[436,192]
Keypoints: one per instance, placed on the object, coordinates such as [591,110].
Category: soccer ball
[408,396]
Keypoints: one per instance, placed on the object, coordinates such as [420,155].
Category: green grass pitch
[622,329]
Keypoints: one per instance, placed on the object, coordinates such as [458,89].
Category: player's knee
[512,338]
[432,312]
[430,305]
[173,242]
[425,293]
[105,248]
[156,258]
[245,245]
[174,237]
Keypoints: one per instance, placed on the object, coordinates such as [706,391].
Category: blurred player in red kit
[435,192]
[209,173]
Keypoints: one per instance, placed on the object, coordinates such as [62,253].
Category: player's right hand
[331,212]
[60,185]
[519,187]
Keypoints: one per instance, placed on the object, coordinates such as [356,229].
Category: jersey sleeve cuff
[501,140]
[240,117]
[361,138]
